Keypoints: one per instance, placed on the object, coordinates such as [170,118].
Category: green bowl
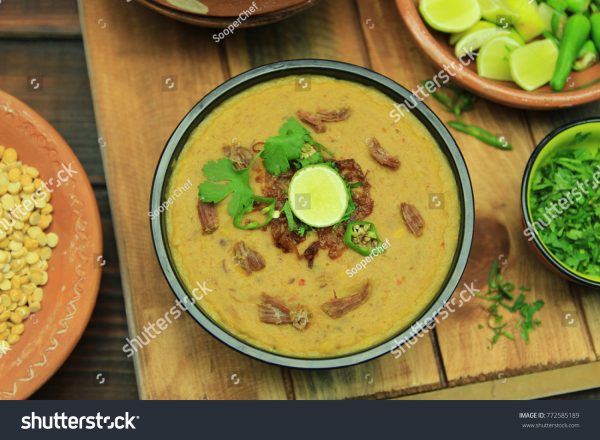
[561,138]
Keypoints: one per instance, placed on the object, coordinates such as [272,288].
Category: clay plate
[583,87]
[222,13]
[75,267]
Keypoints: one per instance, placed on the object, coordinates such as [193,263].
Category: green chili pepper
[481,134]
[446,100]
[464,103]
[595,21]
[268,210]
[587,57]
[576,34]
[578,6]
[361,237]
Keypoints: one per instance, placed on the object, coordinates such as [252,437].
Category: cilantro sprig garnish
[293,144]
[224,180]
[501,296]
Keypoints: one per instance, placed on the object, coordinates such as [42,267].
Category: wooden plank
[39,18]
[131,54]
[587,310]
[331,30]
[51,77]
[529,386]
[496,179]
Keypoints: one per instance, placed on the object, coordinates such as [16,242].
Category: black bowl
[340,71]
[535,242]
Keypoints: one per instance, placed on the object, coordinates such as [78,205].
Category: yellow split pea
[25,213]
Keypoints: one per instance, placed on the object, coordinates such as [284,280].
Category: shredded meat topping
[313,121]
[247,259]
[274,311]
[317,121]
[338,307]
[311,252]
[332,239]
[285,239]
[209,218]
[412,218]
[334,115]
[240,156]
[381,156]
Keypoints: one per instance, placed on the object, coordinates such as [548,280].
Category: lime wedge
[477,37]
[318,196]
[493,61]
[480,25]
[496,11]
[546,12]
[532,66]
[527,20]
[450,15]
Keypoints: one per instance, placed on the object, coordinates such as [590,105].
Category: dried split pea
[25,244]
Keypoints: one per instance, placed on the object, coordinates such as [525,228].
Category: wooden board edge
[530,386]
[123,272]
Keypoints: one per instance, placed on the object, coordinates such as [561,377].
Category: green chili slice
[268,210]
[481,134]
[362,237]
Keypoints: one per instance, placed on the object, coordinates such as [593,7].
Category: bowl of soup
[305,216]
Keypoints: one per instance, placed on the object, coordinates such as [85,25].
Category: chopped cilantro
[565,205]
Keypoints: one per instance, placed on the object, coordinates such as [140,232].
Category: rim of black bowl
[336,70]
[557,264]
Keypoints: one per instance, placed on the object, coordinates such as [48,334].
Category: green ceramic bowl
[561,138]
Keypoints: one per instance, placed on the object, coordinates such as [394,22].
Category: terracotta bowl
[221,14]
[75,267]
[583,87]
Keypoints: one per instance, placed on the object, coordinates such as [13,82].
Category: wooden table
[42,40]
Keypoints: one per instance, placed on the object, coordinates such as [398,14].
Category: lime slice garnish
[318,196]
[532,65]
[450,15]
[477,37]
[527,19]
[493,61]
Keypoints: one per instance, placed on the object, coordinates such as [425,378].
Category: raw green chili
[576,34]
[595,21]
[268,210]
[481,134]
[587,57]
[361,237]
